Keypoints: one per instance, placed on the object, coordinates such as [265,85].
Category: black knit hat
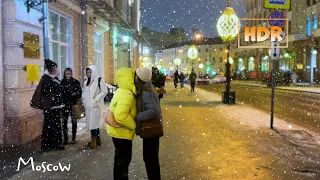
[48,64]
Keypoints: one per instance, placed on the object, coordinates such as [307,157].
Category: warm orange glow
[198,36]
[180,51]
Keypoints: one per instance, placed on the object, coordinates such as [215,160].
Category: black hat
[48,64]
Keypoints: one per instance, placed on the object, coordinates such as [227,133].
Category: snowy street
[203,140]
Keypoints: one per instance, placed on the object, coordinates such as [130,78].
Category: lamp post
[227,27]
[193,53]
[177,62]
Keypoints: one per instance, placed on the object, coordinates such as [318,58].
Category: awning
[106,11]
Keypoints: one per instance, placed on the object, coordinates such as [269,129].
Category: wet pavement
[201,142]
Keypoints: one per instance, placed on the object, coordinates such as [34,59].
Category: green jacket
[123,105]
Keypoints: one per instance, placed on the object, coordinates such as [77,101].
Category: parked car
[219,79]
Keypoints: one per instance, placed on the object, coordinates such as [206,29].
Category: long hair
[89,79]
[64,73]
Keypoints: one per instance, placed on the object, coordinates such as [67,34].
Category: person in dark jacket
[71,92]
[158,80]
[176,79]
[148,100]
[48,97]
[192,78]
[182,77]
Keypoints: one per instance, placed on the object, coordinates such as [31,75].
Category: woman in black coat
[48,97]
[71,92]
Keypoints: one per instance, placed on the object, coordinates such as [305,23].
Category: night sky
[161,15]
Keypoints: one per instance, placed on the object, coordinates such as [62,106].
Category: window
[207,50]
[221,59]
[60,41]
[315,22]
[308,3]
[98,52]
[251,65]
[265,65]
[214,59]
[240,66]
[199,50]
[220,49]
[308,26]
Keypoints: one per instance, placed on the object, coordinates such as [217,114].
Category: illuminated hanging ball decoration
[193,52]
[177,61]
[200,65]
[227,25]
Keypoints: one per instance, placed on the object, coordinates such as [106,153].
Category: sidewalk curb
[297,90]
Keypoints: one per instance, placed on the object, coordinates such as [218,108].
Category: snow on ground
[253,117]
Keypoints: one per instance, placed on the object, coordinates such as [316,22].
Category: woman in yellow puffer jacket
[123,107]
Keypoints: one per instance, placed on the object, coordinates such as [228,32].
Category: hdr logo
[261,33]
[261,36]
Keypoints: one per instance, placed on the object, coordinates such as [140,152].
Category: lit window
[315,24]
[60,40]
[308,26]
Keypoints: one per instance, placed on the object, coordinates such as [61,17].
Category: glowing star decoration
[193,52]
[227,25]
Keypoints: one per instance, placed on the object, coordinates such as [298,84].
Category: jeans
[66,113]
[151,157]
[95,133]
[122,158]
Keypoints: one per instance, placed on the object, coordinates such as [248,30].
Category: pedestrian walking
[94,92]
[122,131]
[182,77]
[158,81]
[71,93]
[192,78]
[294,78]
[48,97]
[148,108]
[176,79]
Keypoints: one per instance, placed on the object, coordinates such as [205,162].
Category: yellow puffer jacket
[123,105]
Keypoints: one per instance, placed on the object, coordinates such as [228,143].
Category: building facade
[159,40]
[211,54]
[79,34]
[302,54]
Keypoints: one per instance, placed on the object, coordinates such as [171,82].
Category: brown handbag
[78,110]
[150,128]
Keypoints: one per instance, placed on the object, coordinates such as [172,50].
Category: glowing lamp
[125,39]
[177,61]
[240,60]
[251,59]
[159,66]
[286,55]
[193,52]
[231,60]
[314,52]
[200,65]
[227,25]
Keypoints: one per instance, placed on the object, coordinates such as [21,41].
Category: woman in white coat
[94,92]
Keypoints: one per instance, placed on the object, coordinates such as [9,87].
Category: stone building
[79,33]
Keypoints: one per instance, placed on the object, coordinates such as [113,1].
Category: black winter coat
[48,93]
[68,88]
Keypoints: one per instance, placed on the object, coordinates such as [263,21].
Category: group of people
[56,98]
[137,99]
[181,77]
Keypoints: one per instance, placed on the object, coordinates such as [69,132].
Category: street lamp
[193,53]
[177,62]
[227,27]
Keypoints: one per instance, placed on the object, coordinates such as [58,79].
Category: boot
[98,141]
[93,143]
[65,141]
